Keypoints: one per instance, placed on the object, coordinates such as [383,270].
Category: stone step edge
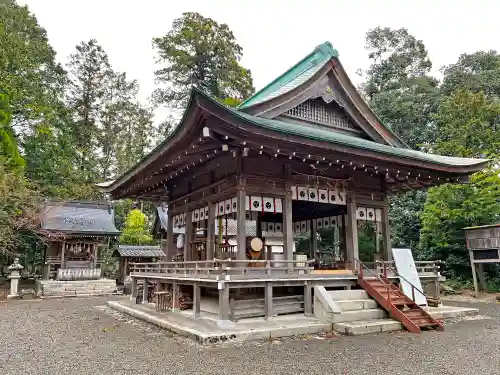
[361,327]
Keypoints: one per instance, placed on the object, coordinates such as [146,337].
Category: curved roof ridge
[305,67]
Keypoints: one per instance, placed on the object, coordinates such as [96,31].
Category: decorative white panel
[220,208]
[278,227]
[334,221]
[176,220]
[378,215]
[256,203]
[370,214]
[326,222]
[302,193]
[332,196]
[278,205]
[296,227]
[247,203]
[341,198]
[268,204]
[319,223]
[313,194]
[304,226]
[206,213]
[322,195]
[361,213]
[196,215]
[294,193]
[270,227]
[184,219]
[263,226]
[227,206]
[234,205]
[202,213]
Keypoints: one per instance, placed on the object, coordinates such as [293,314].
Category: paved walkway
[82,336]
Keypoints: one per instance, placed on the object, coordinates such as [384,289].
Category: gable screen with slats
[316,110]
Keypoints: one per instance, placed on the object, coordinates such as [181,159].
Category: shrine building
[303,154]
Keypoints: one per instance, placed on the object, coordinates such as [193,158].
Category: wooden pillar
[196,300]
[288,219]
[223,301]
[175,296]
[133,289]
[474,275]
[63,245]
[171,249]
[188,237]
[480,276]
[240,222]
[211,231]
[314,239]
[351,230]
[308,304]
[386,234]
[145,291]
[268,313]
[288,228]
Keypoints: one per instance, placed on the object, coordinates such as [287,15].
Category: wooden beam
[351,229]
[241,220]
[288,220]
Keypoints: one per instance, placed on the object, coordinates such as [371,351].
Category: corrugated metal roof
[79,217]
[140,251]
[294,76]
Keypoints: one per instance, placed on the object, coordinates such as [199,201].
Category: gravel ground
[81,336]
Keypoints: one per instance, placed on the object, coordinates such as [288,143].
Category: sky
[274,34]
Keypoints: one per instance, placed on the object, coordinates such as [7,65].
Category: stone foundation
[54,288]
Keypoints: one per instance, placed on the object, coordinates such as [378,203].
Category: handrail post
[413,292]
[360,269]
[268,268]
[385,270]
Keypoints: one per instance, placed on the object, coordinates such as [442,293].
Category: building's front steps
[354,312]
[80,288]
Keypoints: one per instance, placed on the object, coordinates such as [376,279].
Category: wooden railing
[223,267]
[424,267]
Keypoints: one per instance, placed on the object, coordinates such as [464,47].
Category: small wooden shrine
[77,230]
[483,243]
[302,154]
[126,254]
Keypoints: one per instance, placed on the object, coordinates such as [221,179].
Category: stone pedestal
[15,275]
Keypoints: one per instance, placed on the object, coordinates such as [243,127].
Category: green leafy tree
[398,85]
[89,75]
[468,125]
[199,52]
[479,71]
[136,230]
[405,97]
[450,208]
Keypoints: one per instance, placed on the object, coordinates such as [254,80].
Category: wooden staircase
[395,302]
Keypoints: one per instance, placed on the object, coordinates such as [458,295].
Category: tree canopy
[199,52]
[136,230]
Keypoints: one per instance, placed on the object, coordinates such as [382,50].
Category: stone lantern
[15,274]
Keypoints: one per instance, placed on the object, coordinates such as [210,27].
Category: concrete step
[362,327]
[343,295]
[354,315]
[356,304]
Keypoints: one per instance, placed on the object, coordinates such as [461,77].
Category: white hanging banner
[361,213]
[322,196]
[370,214]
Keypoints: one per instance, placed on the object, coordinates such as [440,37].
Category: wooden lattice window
[316,110]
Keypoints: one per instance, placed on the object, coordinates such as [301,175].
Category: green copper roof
[326,135]
[294,76]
